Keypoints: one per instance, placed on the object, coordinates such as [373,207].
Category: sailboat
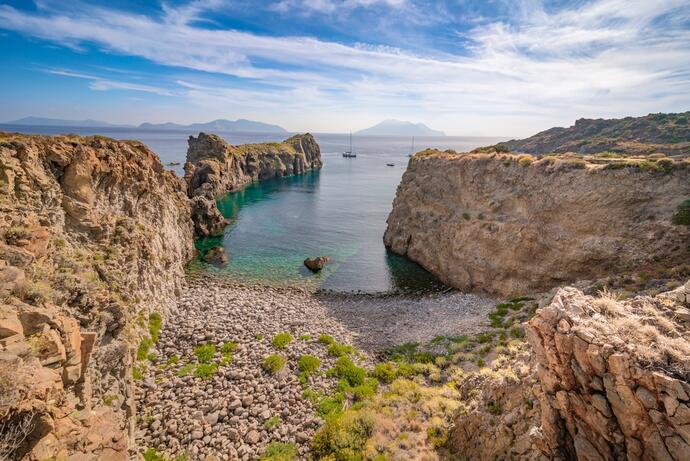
[412,150]
[349,153]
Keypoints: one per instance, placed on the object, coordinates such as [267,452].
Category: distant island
[44,121]
[218,125]
[241,125]
[393,127]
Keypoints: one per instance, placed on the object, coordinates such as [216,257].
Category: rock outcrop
[614,377]
[94,235]
[215,167]
[651,134]
[514,224]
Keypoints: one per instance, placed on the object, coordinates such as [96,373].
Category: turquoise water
[339,212]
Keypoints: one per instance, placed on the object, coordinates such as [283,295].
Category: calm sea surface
[339,211]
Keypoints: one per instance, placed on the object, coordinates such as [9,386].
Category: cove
[339,212]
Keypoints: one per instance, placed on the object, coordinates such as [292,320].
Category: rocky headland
[214,167]
[668,134]
[513,224]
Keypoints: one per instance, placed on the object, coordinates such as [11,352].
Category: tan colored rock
[488,222]
[104,231]
[215,167]
[627,367]
[9,323]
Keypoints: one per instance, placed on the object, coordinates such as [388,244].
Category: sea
[339,211]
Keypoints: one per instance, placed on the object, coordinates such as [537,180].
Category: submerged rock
[216,256]
[316,264]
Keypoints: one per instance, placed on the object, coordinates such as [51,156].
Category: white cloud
[331,6]
[603,58]
[102,84]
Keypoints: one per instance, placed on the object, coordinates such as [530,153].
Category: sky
[467,67]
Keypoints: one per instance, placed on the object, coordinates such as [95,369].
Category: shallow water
[339,212]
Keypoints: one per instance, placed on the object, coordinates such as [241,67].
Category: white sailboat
[349,153]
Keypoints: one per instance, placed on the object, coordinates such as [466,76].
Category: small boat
[349,153]
[390,164]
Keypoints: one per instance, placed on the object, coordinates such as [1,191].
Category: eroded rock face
[511,225]
[94,234]
[613,377]
[208,220]
[215,167]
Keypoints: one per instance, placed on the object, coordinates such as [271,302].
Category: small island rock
[316,264]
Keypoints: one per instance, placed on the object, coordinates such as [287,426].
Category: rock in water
[207,218]
[216,256]
[316,264]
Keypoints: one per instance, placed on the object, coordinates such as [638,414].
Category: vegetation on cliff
[653,133]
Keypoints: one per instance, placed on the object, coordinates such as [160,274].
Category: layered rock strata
[614,377]
[94,235]
[514,224]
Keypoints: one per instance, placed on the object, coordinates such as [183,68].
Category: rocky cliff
[614,376]
[94,234]
[516,224]
[214,167]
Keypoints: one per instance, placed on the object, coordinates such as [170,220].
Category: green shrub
[330,405]
[155,325]
[274,363]
[272,422]
[517,332]
[308,364]
[682,216]
[385,372]
[205,353]
[137,373]
[173,360]
[205,370]
[494,408]
[304,337]
[16,233]
[326,339]
[280,451]
[153,455]
[281,340]
[185,370]
[143,349]
[339,350]
[345,368]
[227,359]
[109,399]
[438,436]
[343,438]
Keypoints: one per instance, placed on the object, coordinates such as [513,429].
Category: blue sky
[493,67]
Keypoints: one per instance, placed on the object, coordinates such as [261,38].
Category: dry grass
[648,329]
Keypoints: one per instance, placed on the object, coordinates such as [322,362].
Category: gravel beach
[242,408]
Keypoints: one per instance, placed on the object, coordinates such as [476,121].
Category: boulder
[216,256]
[316,264]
